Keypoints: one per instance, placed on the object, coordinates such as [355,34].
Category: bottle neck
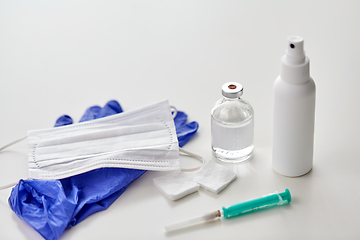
[293,72]
[231,99]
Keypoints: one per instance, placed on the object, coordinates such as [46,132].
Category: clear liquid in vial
[232,142]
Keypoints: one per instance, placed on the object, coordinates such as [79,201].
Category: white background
[60,57]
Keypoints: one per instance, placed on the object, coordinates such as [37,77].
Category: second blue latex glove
[184,131]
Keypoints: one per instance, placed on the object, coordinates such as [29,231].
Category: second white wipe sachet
[214,177]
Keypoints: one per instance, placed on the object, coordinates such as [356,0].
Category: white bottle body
[293,127]
[294,112]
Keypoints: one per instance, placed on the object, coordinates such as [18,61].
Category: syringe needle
[193,221]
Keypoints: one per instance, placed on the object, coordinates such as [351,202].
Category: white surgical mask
[140,139]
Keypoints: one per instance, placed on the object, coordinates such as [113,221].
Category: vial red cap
[232,90]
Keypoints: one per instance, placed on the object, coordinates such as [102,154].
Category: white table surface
[60,57]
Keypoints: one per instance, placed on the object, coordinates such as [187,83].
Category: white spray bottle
[294,113]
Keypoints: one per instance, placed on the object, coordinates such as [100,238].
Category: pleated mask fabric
[144,138]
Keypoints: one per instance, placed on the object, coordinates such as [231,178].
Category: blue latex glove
[52,206]
[184,131]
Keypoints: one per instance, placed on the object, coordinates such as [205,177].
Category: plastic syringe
[271,200]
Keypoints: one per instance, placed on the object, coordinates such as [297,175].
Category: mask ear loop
[8,186]
[1,149]
[189,154]
[174,111]
[12,143]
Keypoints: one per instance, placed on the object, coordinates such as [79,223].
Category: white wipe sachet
[176,185]
[214,177]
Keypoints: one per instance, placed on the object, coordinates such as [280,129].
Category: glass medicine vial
[232,125]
